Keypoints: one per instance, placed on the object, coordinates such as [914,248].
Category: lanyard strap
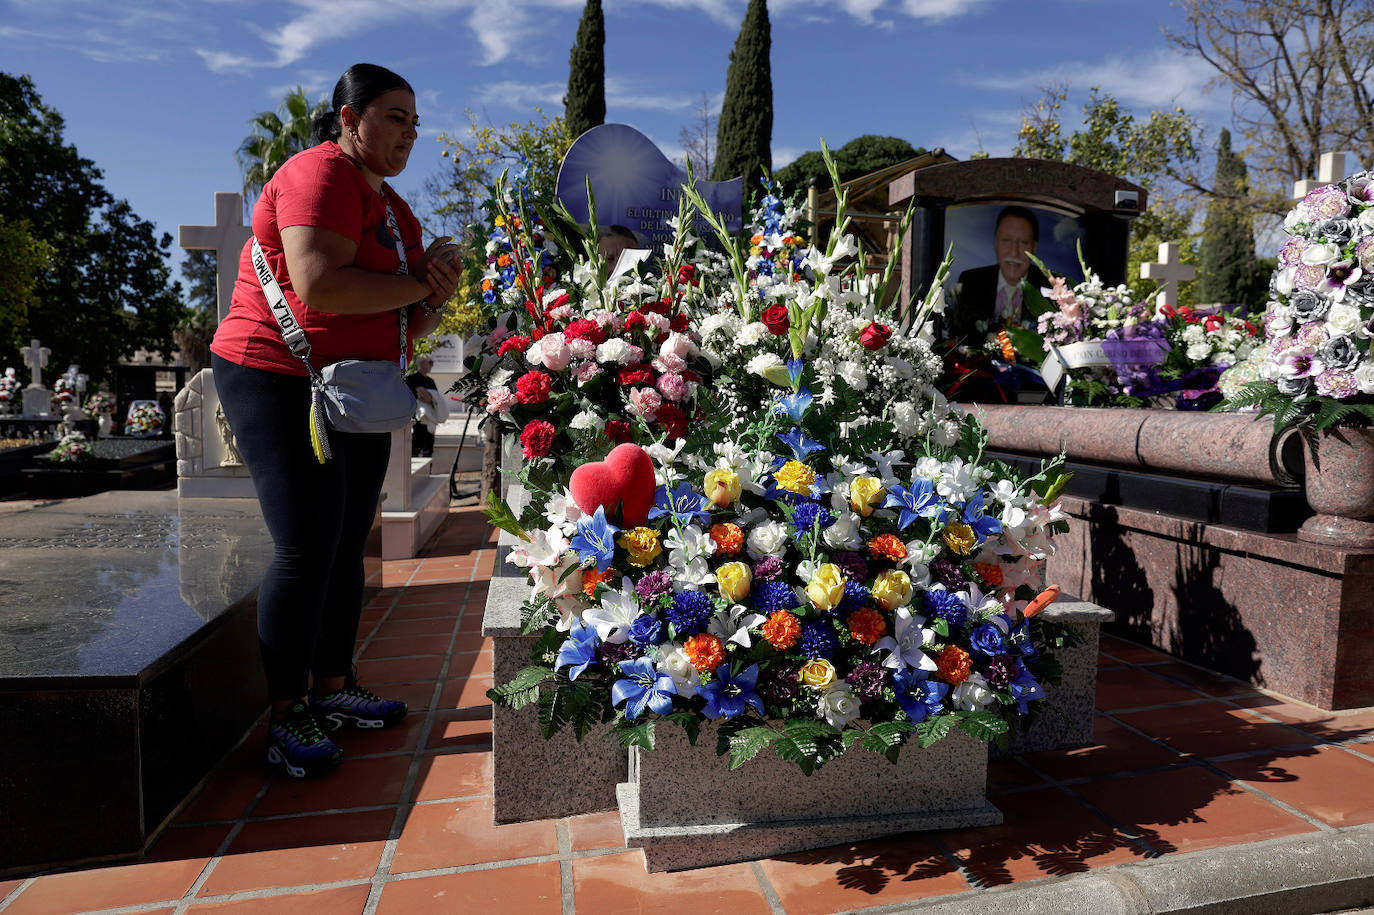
[291,331]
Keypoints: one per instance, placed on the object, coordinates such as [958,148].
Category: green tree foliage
[584,106]
[1226,262]
[99,282]
[860,156]
[200,269]
[23,260]
[277,136]
[745,134]
[1158,154]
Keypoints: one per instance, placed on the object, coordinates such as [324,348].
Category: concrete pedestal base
[1068,722]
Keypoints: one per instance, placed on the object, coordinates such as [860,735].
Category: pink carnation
[1327,202]
[633,354]
[582,348]
[586,372]
[645,403]
[500,400]
[673,387]
[670,362]
[561,313]
[1337,383]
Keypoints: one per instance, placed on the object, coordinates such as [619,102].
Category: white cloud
[514,94]
[1161,78]
[940,10]
[622,93]
[223,62]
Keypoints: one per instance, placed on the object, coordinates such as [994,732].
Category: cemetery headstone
[37,398]
[226,238]
[1169,271]
[1330,169]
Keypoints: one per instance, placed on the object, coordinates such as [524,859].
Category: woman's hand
[440,271]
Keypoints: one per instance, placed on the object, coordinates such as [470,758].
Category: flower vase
[105,423]
[1340,488]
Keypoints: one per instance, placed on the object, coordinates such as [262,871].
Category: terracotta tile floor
[1182,760]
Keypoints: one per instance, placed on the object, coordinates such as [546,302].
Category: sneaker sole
[337,721]
[277,758]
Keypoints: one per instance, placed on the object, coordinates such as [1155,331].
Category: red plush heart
[624,481]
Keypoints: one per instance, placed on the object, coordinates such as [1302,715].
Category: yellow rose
[960,538]
[734,579]
[818,674]
[722,486]
[794,476]
[892,590]
[862,492]
[826,588]
[642,545]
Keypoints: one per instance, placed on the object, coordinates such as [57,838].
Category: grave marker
[1331,168]
[1170,271]
[37,399]
[226,238]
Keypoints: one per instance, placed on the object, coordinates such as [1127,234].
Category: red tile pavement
[405,824]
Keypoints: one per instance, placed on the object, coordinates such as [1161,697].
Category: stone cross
[226,238]
[1331,169]
[1170,271]
[35,357]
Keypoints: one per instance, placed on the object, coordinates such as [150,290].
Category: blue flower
[644,687]
[689,612]
[794,405]
[856,597]
[1020,639]
[983,525]
[818,639]
[728,697]
[772,596]
[578,651]
[647,629]
[919,501]
[920,697]
[794,370]
[682,503]
[1025,689]
[989,639]
[595,539]
[809,517]
[947,606]
[799,443]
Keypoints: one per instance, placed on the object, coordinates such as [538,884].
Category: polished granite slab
[128,664]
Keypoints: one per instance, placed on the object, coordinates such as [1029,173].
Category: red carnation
[687,273]
[660,307]
[538,333]
[775,318]
[533,387]
[1212,323]
[618,430]
[583,329]
[636,373]
[635,320]
[875,336]
[679,322]
[516,344]
[537,439]
[673,420]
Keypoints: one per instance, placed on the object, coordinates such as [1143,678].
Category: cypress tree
[1227,258]
[584,107]
[744,137]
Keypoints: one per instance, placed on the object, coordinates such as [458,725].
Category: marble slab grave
[128,665]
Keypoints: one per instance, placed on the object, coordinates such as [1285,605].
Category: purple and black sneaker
[300,746]
[356,707]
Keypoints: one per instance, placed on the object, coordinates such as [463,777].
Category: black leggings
[319,516]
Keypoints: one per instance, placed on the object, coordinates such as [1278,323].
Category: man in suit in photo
[989,297]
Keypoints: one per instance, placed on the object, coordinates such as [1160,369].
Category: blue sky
[159,94]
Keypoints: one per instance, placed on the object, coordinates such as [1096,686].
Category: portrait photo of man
[991,296]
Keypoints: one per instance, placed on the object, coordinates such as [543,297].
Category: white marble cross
[226,238]
[1331,169]
[1170,271]
[35,357]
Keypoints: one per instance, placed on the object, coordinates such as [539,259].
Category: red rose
[537,439]
[533,387]
[775,318]
[582,329]
[636,373]
[618,430]
[687,274]
[875,336]
[635,320]
[516,344]
[673,420]
[679,322]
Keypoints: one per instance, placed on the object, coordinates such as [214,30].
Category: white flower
[544,548]
[762,362]
[687,552]
[766,539]
[586,420]
[673,661]
[839,706]
[1199,351]
[973,695]
[613,350]
[844,533]
[733,624]
[853,374]
[956,481]
[1321,254]
[753,332]
[1343,320]
[905,643]
[616,613]
[1364,374]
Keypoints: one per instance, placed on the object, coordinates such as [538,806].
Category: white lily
[904,646]
[616,613]
[733,624]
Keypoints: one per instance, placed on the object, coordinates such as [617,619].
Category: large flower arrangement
[1318,369]
[9,393]
[101,403]
[145,419]
[72,448]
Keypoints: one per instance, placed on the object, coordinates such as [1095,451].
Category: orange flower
[866,625]
[503,260]
[782,630]
[591,578]
[954,665]
[887,546]
[705,651]
[990,572]
[728,537]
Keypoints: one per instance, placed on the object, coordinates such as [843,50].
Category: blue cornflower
[647,629]
[920,697]
[683,503]
[772,596]
[794,405]
[809,517]
[1025,689]
[818,640]
[727,696]
[645,687]
[947,606]
[983,525]
[920,501]
[578,651]
[856,597]
[989,639]
[595,539]
[801,445]
[689,612]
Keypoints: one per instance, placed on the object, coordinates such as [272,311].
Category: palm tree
[277,136]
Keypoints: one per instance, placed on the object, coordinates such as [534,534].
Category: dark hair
[1021,213]
[360,84]
[618,230]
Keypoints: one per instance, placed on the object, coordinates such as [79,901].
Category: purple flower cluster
[948,574]
[778,685]
[614,653]
[853,565]
[1002,670]
[654,584]
[767,568]
[868,680]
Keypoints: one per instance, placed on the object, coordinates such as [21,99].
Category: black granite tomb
[118,463]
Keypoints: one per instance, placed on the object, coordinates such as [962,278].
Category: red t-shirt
[319,187]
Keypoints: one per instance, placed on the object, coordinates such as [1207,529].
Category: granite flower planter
[1340,488]
[684,807]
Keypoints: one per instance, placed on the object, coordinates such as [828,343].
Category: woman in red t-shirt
[327,223]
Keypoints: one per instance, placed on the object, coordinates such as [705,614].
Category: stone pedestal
[685,808]
[1068,720]
[37,402]
[207,467]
